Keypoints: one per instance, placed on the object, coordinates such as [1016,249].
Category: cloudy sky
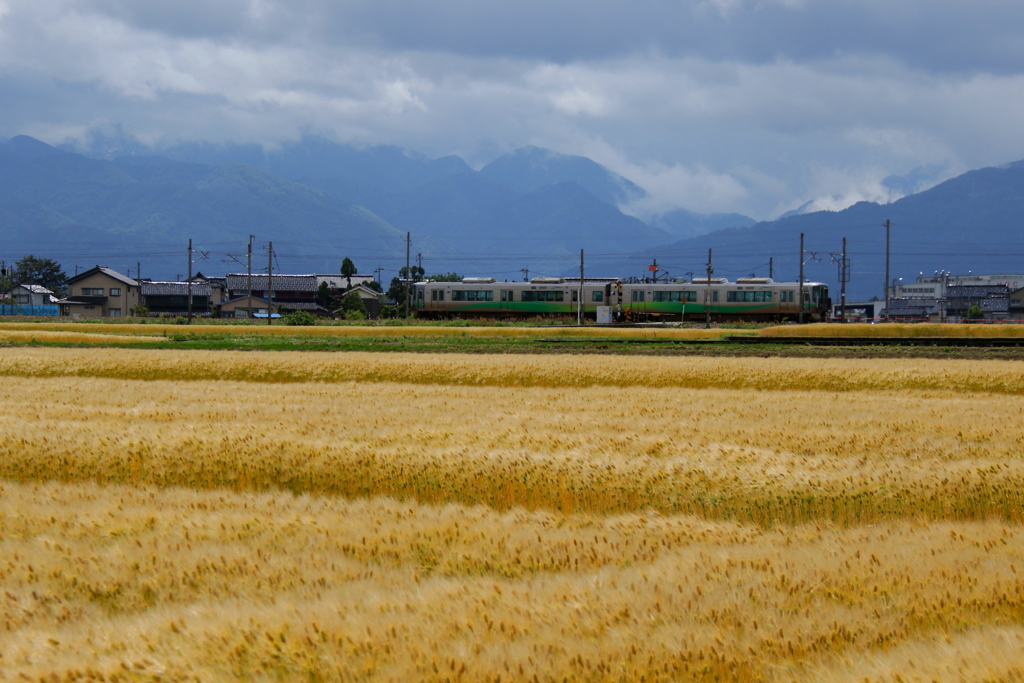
[753,106]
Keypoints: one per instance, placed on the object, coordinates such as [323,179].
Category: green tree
[396,292]
[446,277]
[417,273]
[348,269]
[41,271]
[323,295]
[353,307]
[975,312]
[375,286]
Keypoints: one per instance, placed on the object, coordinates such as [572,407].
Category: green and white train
[750,298]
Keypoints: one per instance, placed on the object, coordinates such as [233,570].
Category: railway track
[990,342]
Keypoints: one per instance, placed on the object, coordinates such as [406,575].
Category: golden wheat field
[180,515]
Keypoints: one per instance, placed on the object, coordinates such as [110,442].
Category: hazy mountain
[683,223]
[531,168]
[974,222]
[138,203]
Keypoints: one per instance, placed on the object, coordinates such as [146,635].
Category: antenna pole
[270,282]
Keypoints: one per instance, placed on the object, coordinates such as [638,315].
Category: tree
[446,277]
[375,286]
[41,271]
[348,269]
[323,295]
[417,273]
[975,312]
[397,290]
[396,293]
[353,307]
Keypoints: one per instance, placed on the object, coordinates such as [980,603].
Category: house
[913,309]
[100,292]
[246,307]
[33,295]
[1017,304]
[290,292]
[994,300]
[28,299]
[218,288]
[171,298]
[371,299]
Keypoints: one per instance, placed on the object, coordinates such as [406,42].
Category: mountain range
[118,200]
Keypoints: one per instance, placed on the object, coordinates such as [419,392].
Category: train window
[598,296]
[504,295]
[676,297]
[634,296]
[714,296]
[575,296]
[473,295]
[440,295]
[543,296]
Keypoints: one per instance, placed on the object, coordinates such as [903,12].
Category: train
[614,300]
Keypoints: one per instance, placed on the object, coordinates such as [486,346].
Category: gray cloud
[717,105]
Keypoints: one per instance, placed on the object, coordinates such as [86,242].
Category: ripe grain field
[265,516]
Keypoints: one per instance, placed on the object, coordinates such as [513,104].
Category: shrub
[298,318]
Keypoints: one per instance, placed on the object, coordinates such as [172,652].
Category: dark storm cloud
[731,105]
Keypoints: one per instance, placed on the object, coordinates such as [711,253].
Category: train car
[753,298]
[477,297]
[759,299]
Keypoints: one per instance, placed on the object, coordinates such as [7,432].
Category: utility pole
[378,271]
[248,278]
[270,282]
[846,278]
[579,308]
[888,224]
[189,283]
[655,269]
[419,260]
[408,275]
[526,274]
[707,294]
[800,315]
[771,268]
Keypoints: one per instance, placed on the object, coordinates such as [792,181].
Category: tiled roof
[293,283]
[37,289]
[341,282]
[174,289]
[84,300]
[106,271]
[976,291]
[299,306]
[917,308]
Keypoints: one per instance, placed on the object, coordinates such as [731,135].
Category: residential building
[371,300]
[291,292]
[994,301]
[246,307]
[33,295]
[100,292]
[171,298]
